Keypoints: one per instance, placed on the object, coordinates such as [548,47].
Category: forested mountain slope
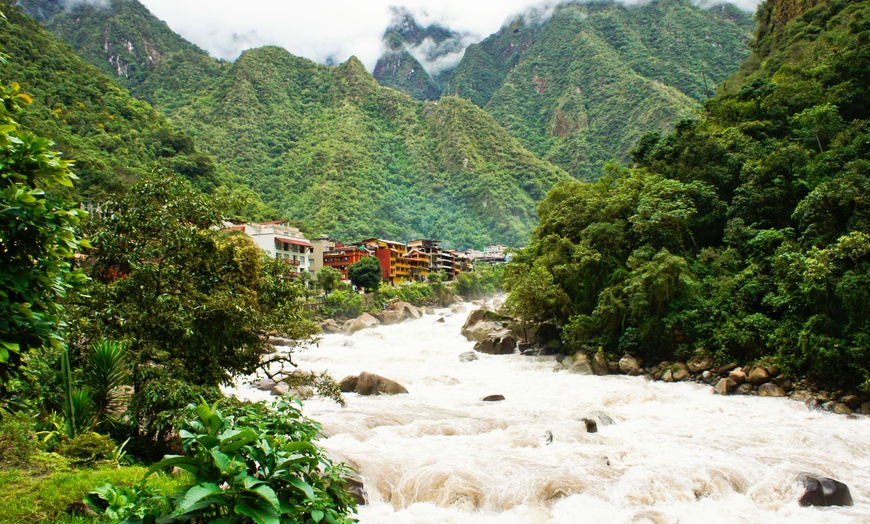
[581,86]
[741,235]
[112,137]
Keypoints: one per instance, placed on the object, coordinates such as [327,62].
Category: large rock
[493,398]
[364,321]
[724,386]
[770,390]
[700,363]
[370,384]
[758,376]
[823,491]
[579,364]
[481,323]
[599,363]
[737,375]
[330,326]
[629,365]
[280,341]
[501,342]
[390,317]
[406,310]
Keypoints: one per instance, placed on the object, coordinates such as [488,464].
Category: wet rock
[724,386]
[481,323]
[548,437]
[279,341]
[770,390]
[330,326]
[772,371]
[865,408]
[364,321]
[743,389]
[737,375]
[389,317]
[823,491]
[406,310]
[354,485]
[813,404]
[782,382]
[758,376]
[679,371]
[371,384]
[707,376]
[440,320]
[497,343]
[430,311]
[579,365]
[629,365]
[348,384]
[559,367]
[591,425]
[458,308]
[493,398]
[599,363]
[727,368]
[468,356]
[612,367]
[841,409]
[853,401]
[700,363]
[801,395]
[602,418]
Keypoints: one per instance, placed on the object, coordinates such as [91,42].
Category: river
[674,452]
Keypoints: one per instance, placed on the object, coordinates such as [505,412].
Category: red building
[341,257]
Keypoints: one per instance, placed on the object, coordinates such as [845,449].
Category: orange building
[395,268]
[341,257]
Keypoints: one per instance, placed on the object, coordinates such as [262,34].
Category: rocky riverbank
[494,333]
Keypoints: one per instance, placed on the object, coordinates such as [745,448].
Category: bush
[253,464]
[17,438]
[88,448]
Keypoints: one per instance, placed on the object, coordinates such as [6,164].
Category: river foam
[673,452]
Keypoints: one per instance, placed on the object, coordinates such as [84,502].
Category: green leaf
[317,515]
[268,494]
[303,486]
[195,495]
[185,463]
[260,514]
[237,440]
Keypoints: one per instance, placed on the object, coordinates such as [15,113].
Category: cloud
[333,30]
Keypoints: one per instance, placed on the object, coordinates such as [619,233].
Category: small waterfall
[663,453]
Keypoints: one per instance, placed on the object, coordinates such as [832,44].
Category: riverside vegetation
[743,234]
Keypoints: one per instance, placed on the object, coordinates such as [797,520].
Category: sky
[332,30]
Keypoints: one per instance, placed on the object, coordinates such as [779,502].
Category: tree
[328,278]
[37,239]
[366,273]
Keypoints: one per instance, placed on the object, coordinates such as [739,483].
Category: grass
[41,490]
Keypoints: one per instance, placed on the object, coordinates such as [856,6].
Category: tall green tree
[365,274]
[38,239]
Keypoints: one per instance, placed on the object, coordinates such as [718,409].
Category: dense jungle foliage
[579,88]
[742,234]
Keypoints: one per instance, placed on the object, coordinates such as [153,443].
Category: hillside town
[412,261]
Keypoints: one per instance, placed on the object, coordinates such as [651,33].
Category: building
[395,268]
[281,241]
[319,247]
[341,257]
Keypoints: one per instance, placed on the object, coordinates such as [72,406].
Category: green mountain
[128,43]
[580,87]
[329,146]
[400,69]
[326,145]
[112,137]
[742,235]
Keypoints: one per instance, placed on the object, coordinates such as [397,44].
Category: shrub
[88,448]
[17,438]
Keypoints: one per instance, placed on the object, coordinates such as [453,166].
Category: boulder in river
[481,323]
[724,386]
[700,363]
[406,310]
[497,343]
[370,384]
[364,321]
[579,364]
[599,363]
[823,491]
[591,425]
[329,326]
[758,376]
[629,365]
[493,398]
[770,390]
[468,356]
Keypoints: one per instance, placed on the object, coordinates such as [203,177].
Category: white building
[281,241]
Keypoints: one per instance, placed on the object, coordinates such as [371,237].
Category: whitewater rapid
[675,453]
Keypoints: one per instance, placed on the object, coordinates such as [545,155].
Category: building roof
[297,241]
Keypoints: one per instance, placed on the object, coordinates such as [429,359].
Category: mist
[330,31]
